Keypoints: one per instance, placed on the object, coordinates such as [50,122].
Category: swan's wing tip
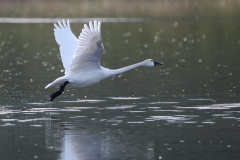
[47,86]
[62,24]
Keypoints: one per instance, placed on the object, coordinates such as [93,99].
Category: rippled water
[189,108]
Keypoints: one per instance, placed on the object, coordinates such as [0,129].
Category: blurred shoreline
[120,8]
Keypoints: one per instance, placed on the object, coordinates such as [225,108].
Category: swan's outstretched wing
[89,48]
[67,42]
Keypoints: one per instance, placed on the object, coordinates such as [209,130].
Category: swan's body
[81,57]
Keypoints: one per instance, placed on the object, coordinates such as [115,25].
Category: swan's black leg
[59,92]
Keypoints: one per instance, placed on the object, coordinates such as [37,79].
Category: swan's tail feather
[58,81]
[49,85]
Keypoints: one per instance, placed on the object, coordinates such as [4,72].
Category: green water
[189,108]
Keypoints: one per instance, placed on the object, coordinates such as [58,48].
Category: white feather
[66,41]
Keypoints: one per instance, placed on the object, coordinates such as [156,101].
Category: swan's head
[151,63]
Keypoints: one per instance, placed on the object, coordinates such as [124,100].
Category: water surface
[189,108]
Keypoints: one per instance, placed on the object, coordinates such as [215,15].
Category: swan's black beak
[156,63]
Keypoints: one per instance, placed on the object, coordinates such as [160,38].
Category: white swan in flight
[81,57]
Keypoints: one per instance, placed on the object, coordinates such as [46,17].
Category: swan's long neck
[125,69]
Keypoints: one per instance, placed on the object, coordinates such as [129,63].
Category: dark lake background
[189,108]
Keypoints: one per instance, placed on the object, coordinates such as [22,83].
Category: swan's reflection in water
[105,144]
[78,141]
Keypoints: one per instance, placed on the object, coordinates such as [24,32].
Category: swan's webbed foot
[59,92]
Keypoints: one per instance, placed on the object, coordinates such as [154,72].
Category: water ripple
[213,106]
[85,101]
[126,98]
